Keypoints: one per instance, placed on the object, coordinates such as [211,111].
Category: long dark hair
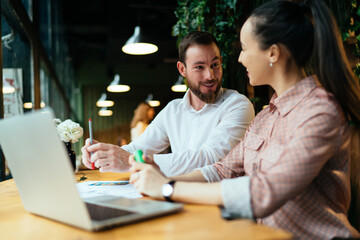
[309,29]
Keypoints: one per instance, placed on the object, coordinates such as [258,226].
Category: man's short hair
[195,37]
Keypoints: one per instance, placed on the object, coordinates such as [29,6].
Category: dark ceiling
[97,29]
[101,27]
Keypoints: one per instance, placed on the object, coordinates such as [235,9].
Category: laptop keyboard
[98,212]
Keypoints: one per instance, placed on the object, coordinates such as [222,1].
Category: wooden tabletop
[195,222]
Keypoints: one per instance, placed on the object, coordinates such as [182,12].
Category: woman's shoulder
[320,103]
[320,97]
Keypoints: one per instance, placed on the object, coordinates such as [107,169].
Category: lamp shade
[102,102]
[151,101]
[115,85]
[104,112]
[136,45]
[180,85]
[28,105]
[154,103]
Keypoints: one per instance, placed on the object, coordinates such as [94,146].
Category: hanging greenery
[222,17]
[351,32]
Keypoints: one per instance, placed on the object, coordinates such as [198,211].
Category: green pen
[138,156]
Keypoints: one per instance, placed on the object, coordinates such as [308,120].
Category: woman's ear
[181,67]
[274,53]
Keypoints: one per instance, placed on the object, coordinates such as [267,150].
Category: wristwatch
[167,190]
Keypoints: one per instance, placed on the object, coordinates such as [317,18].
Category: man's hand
[86,154]
[106,157]
[146,178]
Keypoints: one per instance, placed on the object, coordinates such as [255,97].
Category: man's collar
[217,103]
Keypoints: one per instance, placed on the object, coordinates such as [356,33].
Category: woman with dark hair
[291,169]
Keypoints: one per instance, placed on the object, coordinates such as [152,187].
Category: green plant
[223,18]
[351,32]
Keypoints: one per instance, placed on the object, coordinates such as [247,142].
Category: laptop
[45,179]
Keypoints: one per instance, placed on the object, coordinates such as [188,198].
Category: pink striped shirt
[294,166]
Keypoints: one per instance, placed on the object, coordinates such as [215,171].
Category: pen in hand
[138,156]
[91,141]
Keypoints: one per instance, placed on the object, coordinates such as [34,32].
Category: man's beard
[209,97]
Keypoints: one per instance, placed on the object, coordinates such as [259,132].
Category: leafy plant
[351,32]
[222,17]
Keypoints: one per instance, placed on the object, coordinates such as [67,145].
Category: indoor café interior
[180,119]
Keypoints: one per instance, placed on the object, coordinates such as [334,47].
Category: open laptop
[45,179]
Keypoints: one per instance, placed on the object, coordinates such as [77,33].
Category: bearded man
[201,128]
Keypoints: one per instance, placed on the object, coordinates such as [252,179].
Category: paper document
[100,188]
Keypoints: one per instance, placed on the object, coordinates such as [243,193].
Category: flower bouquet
[69,132]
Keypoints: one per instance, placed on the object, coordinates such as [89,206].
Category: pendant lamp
[115,85]
[136,45]
[151,101]
[180,85]
[104,112]
[102,102]
[28,105]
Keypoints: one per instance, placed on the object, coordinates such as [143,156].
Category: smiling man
[201,128]
[202,68]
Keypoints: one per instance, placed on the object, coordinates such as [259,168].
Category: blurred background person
[143,115]
[121,141]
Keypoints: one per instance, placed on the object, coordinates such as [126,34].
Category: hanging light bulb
[102,102]
[136,44]
[28,105]
[151,102]
[154,103]
[179,86]
[104,112]
[115,85]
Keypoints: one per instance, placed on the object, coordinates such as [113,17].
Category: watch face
[167,190]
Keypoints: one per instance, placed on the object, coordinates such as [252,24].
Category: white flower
[69,131]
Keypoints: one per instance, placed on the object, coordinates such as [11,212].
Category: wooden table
[195,222]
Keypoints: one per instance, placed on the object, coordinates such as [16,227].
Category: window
[36,69]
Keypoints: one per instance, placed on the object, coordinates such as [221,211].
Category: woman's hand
[147,178]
